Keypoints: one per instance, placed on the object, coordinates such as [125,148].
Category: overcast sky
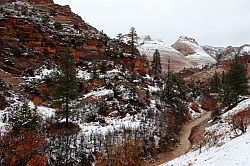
[210,22]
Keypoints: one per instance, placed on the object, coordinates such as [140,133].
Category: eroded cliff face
[32,32]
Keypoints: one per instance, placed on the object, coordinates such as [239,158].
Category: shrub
[21,149]
[24,10]
[103,67]
[58,26]
[103,108]
[127,154]
[24,118]
[240,121]
[37,100]
[38,160]
[59,128]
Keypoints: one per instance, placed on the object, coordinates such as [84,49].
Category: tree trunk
[67,112]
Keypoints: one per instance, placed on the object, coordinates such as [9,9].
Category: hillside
[118,102]
[33,32]
[70,95]
[223,143]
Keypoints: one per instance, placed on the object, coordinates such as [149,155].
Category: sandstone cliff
[34,31]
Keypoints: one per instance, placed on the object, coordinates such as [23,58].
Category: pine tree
[66,89]
[235,82]
[156,64]
[133,37]
[174,88]
[24,118]
[120,37]
[215,83]
[103,67]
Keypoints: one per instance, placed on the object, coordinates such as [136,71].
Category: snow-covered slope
[215,52]
[234,153]
[185,53]
[178,61]
[193,52]
[245,49]
[227,151]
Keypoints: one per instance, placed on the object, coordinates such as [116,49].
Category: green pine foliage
[120,37]
[215,83]
[156,64]
[133,37]
[24,118]
[235,82]
[133,94]
[174,88]
[103,108]
[103,67]
[195,89]
[66,83]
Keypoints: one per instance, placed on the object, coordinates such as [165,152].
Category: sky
[210,22]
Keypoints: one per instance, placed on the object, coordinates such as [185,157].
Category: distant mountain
[215,52]
[195,54]
[222,54]
[178,61]
[184,53]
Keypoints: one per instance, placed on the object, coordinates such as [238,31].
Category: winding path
[184,145]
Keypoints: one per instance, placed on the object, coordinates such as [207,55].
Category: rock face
[184,53]
[215,52]
[177,61]
[34,31]
[193,52]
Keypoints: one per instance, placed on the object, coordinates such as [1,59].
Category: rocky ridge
[32,32]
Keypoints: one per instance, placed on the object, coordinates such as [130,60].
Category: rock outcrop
[193,52]
[177,61]
[33,31]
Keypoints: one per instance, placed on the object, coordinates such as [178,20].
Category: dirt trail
[185,144]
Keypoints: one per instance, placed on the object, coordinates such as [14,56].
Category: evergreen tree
[133,37]
[24,118]
[103,108]
[120,37]
[174,88]
[195,89]
[133,93]
[215,83]
[235,82]
[66,89]
[103,67]
[156,64]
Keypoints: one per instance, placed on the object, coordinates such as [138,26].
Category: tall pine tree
[215,83]
[174,88]
[156,64]
[133,37]
[235,82]
[66,89]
